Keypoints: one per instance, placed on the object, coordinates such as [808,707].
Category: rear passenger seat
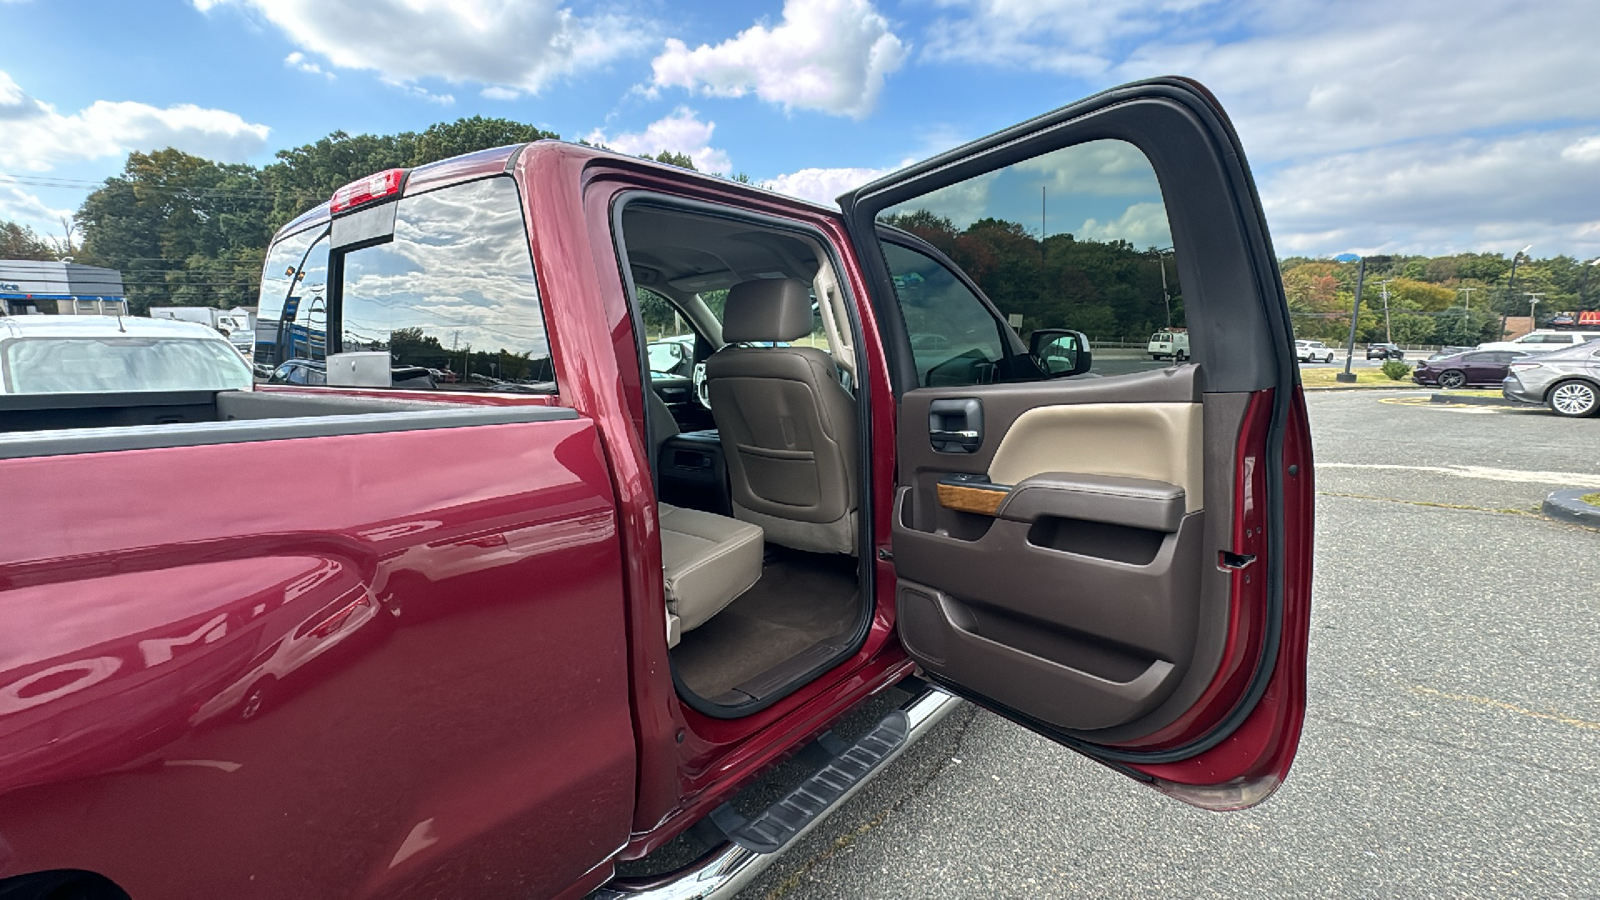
[708,560]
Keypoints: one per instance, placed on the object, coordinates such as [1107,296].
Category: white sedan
[108,354]
[1313,351]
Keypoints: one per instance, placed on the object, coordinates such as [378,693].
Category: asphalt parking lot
[1452,740]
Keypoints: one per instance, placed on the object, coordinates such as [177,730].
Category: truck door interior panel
[1087,555]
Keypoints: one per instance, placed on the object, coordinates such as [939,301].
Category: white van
[1543,341]
[1169,344]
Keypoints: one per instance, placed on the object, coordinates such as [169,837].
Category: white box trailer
[239,324]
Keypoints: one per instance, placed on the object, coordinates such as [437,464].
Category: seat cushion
[708,560]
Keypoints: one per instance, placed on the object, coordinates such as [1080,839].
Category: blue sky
[1393,126]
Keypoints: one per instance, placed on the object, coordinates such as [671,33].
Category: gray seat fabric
[707,560]
[788,428]
[663,426]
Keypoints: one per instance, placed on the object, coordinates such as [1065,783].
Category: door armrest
[1135,502]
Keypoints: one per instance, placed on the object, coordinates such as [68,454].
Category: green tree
[1459,327]
[681,160]
[1419,296]
[1410,328]
[22,242]
[307,175]
[444,140]
[182,230]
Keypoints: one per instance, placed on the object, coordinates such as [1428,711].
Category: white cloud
[1298,80]
[421,93]
[681,132]
[17,205]
[828,55]
[1074,37]
[36,137]
[1141,224]
[1106,168]
[1383,123]
[520,45]
[1445,195]
[822,185]
[500,93]
[297,60]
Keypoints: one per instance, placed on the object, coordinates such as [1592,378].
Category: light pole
[1388,329]
[1355,311]
[1583,285]
[1533,300]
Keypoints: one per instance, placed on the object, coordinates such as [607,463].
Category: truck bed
[57,424]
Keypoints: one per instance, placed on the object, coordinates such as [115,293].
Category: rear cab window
[451,296]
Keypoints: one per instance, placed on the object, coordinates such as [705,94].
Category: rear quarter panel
[434,618]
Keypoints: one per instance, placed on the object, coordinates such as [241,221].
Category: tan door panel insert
[1156,441]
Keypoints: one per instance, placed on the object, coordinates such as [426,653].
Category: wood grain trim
[984,501]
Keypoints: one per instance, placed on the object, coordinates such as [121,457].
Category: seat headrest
[768,309]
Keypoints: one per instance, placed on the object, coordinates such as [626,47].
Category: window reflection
[954,338]
[1074,238]
[453,293]
[281,271]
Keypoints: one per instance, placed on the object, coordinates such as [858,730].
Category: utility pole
[1511,288]
[1468,292]
[1388,330]
[1166,295]
[1042,190]
[1355,312]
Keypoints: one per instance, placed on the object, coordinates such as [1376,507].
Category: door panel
[1069,500]
[1119,563]
[1155,441]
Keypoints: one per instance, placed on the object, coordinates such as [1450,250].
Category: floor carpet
[802,599]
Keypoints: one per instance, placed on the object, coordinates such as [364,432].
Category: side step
[851,765]
[754,844]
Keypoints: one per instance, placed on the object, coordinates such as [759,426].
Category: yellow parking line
[1508,707]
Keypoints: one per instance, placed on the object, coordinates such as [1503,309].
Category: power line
[92,186]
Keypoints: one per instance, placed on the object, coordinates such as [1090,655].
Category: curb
[1447,397]
[1364,387]
[1564,506]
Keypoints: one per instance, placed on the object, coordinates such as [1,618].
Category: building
[29,287]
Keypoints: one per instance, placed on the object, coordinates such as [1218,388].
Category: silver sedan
[1568,381]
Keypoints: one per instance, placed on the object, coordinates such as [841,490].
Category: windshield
[1581,351]
[62,365]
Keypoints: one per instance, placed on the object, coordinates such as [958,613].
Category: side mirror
[1061,352]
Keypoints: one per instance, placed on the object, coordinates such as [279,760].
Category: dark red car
[1485,368]
[512,635]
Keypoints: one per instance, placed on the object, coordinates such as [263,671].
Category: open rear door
[1121,563]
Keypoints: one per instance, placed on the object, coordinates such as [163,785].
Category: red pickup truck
[495,610]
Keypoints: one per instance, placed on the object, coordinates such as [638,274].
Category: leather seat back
[788,428]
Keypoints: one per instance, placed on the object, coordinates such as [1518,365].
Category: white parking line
[1564,479]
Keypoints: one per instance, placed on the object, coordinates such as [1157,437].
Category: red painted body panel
[420,607]
[680,781]
[1256,757]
